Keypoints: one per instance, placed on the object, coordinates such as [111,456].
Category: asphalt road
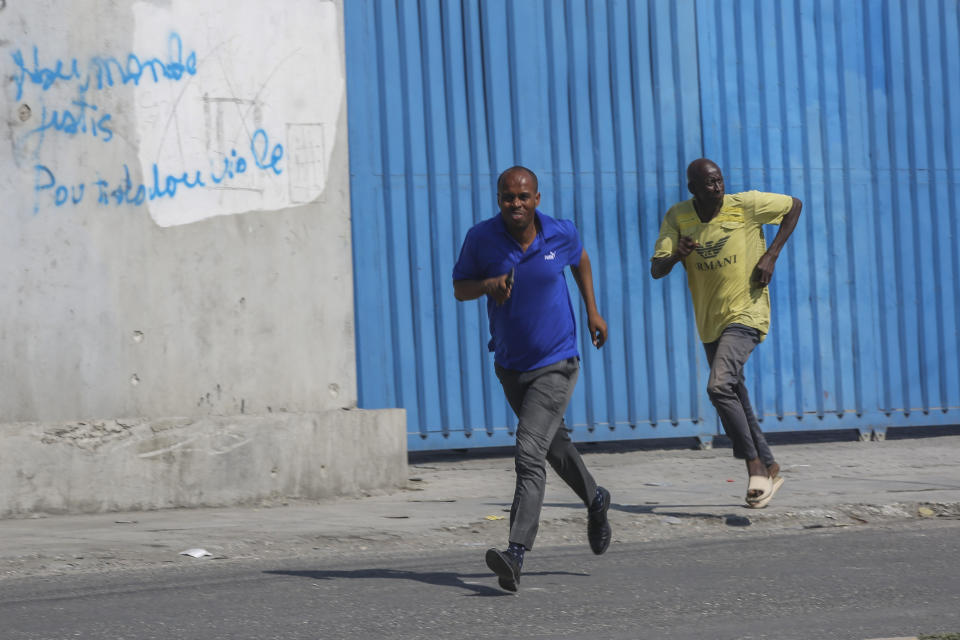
[837,583]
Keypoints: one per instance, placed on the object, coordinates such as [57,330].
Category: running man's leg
[759,441]
[567,462]
[727,357]
[539,399]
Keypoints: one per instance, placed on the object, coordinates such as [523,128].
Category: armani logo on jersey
[710,249]
[719,263]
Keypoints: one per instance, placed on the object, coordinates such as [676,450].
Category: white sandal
[761,484]
[764,499]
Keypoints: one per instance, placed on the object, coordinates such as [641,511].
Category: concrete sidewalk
[462,501]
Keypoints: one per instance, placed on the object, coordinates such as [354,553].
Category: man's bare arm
[496,287]
[767,262]
[583,275]
[660,267]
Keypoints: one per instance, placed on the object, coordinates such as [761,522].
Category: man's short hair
[533,176]
[697,166]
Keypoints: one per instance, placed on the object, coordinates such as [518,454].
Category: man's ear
[690,187]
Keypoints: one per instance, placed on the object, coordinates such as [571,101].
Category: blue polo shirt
[535,327]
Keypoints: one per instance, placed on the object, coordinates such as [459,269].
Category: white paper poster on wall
[249,117]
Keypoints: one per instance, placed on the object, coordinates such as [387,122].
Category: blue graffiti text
[259,145]
[81,117]
[160,183]
[101,72]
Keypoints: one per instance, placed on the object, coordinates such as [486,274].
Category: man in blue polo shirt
[516,259]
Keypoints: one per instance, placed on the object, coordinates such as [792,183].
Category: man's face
[518,199]
[706,184]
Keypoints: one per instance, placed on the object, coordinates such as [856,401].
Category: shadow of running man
[663,510]
[438,578]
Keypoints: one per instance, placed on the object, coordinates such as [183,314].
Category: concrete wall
[114,465]
[177,232]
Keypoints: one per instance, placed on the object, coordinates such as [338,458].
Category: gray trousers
[726,389]
[539,398]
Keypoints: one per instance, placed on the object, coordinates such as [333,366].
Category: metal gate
[851,106]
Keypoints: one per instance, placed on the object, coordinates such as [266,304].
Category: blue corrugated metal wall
[852,106]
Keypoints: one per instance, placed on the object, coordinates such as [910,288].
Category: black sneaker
[506,566]
[598,528]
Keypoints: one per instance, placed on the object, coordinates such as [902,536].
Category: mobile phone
[509,280]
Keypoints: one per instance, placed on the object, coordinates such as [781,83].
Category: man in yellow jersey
[719,239]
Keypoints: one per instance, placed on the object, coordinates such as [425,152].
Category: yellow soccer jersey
[720,270]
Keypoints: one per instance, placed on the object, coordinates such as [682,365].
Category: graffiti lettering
[163,184]
[81,118]
[167,187]
[123,193]
[232,166]
[259,144]
[100,71]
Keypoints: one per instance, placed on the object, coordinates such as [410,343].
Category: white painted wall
[176,243]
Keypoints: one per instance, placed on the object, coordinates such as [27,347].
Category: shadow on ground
[664,510]
[437,578]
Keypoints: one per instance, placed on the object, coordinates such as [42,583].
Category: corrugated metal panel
[853,107]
